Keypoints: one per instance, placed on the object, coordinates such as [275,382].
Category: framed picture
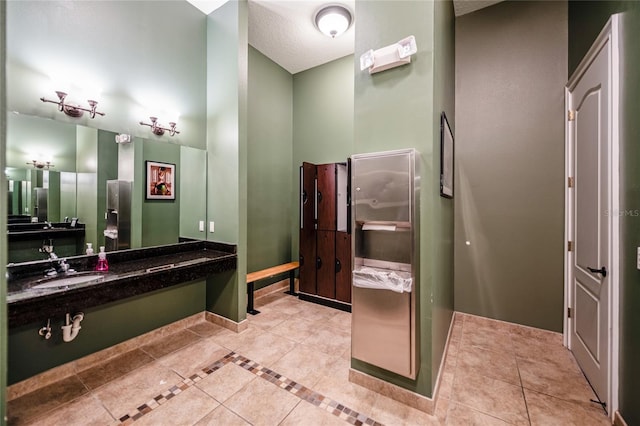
[160,181]
[446,158]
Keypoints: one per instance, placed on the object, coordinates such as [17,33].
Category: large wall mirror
[58,174]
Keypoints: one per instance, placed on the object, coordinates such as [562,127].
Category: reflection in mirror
[75,186]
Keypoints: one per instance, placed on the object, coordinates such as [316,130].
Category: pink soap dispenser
[102,265]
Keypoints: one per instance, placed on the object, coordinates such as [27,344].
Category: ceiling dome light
[333,20]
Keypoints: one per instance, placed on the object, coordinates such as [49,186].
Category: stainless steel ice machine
[385,200]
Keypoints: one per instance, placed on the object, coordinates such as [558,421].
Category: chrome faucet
[48,248]
[47,225]
[64,267]
[59,267]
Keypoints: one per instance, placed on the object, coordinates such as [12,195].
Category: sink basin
[68,280]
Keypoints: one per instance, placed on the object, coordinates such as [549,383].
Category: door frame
[609,34]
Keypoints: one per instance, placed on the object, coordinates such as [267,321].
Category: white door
[591,216]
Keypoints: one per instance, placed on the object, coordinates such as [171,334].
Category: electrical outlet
[638,260]
[211,226]
[201,226]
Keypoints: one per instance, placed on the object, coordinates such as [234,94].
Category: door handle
[304,196]
[602,271]
[318,263]
[301,259]
[338,266]
[319,196]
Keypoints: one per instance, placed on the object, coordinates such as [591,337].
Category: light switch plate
[201,226]
[211,226]
[638,261]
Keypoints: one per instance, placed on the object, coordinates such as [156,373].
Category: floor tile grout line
[460,349]
[305,394]
[524,396]
[174,390]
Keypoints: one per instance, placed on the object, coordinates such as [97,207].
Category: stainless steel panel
[118,231]
[40,208]
[382,187]
[381,329]
[385,200]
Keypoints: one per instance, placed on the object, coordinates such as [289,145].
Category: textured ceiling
[284,31]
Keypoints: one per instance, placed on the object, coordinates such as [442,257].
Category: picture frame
[446,157]
[161,179]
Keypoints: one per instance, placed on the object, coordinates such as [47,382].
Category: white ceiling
[284,31]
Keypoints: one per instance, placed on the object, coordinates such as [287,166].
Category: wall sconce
[73,110]
[388,57]
[333,20]
[157,129]
[39,164]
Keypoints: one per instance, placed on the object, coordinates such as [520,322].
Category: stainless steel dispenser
[117,234]
[40,209]
[385,200]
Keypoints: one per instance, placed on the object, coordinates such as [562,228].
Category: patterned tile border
[339,410]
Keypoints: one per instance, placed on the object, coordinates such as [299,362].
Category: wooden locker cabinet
[343,267]
[326,261]
[307,274]
[326,197]
[325,251]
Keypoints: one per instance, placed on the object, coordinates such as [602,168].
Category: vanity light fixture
[39,164]
[390,56]
[333,20]
[73,110]
[157,129]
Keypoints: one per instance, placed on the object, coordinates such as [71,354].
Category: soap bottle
[102,265]
[89,249]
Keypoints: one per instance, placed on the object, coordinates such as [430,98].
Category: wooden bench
[268,273]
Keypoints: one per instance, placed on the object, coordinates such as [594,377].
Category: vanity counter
[131,273]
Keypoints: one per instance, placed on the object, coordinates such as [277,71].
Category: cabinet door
[307,274]
[307,196]
[343,267]
[326,197]
[325,263]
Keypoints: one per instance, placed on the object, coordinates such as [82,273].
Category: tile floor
[290,367]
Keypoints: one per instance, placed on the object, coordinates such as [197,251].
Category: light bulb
[333,20]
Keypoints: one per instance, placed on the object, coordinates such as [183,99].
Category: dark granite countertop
[131,273]
[39,231]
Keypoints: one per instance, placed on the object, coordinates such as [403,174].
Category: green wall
[630,226]
[226,94]
[131,56]
[34,138]
[96,162]
[102,327]
[193,190]
[52,181]
[269,164]
[322,124]
[88,182]
[586,20]
[107,169]
[3,218]
[160,218]
[511,69]
[443,208]
[399,108]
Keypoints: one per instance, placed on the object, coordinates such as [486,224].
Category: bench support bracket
[250,309]
[292,283]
